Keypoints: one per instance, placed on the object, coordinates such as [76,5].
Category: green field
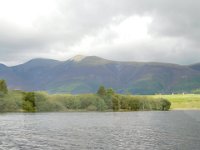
[179,101]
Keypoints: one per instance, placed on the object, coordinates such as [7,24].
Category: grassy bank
[182,102]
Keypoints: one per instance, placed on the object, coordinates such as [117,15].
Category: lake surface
[171,130]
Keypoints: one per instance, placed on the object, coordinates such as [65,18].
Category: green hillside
[84,74]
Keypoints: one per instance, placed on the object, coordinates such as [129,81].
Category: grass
[180,101]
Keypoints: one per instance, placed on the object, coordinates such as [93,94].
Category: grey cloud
[176,18]
[76,19]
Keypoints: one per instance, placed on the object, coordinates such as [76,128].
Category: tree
[196,91]
[100,104]
[101,91]
[29,102]
[3,87]
[165,104]
[116,103]
[124,102]
[110,92]
[134,104]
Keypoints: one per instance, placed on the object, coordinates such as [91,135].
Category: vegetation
[104,100]
[101,91]
[182,101]
[3,87]
[11,102]
[29,102]
[196,91]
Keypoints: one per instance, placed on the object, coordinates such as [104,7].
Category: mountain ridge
[84,74]
[91,56]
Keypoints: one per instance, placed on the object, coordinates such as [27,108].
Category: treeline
[103,100]
[196,91]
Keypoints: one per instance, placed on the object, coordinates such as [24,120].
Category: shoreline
[177,109]
[184,109]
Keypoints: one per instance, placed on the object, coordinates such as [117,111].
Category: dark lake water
[171,130]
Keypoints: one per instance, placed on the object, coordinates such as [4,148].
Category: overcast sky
[133,30]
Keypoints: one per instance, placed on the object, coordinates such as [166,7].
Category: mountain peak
[38,62]
[2,65]
[77,58]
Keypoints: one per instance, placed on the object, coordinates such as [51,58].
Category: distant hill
[84,74]
[195,66]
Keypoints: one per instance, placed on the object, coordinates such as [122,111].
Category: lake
[152,130]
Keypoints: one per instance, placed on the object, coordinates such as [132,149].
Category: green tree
[110,92]
[165,104]
[196,91]
[29,102]
[101,91]
[3,87]
[115,103]
[100,104]
[91,108]
[124,102]
[134,104]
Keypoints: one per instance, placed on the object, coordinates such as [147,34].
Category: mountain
[195,66]
[84,74]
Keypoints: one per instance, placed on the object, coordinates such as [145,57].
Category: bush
[116,103]
[101,91]
[165,104]
[28,106]
[91,108]
[29,102]
[100,104]
[15,101]
[196,91]
[134,104]
[3,87]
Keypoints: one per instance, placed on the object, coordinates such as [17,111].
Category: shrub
[91,108]
[165,104]
[3,87]
[29,102]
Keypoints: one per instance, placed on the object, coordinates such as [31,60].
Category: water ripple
[102,131]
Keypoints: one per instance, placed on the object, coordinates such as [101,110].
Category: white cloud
[143,30]
[23,13]
[133,29]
